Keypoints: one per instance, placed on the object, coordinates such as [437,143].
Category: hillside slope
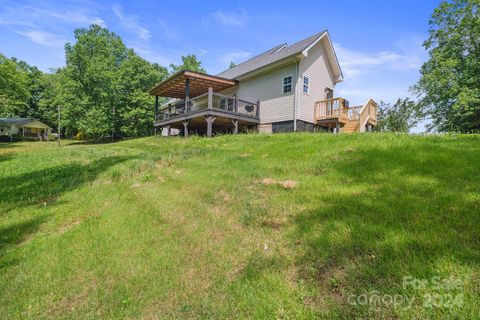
[248,226]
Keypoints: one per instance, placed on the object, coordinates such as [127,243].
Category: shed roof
[174,87]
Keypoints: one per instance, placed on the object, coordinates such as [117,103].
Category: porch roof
[175,86]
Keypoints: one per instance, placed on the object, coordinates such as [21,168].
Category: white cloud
[385,74]
[43,38]
[165,31]
[407,55]
[31,17]
[233,19]
[76,17]
[235,56]
[155,57]
[130,22]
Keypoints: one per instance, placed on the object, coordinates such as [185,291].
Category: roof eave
[334,64]
[269,66]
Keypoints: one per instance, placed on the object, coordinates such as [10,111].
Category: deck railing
[208,101]
[338,109]
[368,114]
[331,108]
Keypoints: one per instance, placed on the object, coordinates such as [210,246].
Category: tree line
[448,92]
[102,90]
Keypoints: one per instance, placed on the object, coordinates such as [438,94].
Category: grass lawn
[203,228]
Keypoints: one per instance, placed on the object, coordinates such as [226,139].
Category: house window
[306,85]
[287,84]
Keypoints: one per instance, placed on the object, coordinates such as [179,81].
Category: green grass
[175,228]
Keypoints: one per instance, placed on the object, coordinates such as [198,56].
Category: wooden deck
[209,113]
[336,113]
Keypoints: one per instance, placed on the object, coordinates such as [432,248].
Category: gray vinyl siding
[268,88]
[316,67]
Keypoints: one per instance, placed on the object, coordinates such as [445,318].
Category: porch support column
[156,108]
[156,116]
[185,128]
[235,126]
[258,108]
[187,94]
[337,127]
[23,131]
[169,131]
[210,98]
[210,121]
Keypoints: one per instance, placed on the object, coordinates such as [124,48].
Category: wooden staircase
[351,126]
[336,114]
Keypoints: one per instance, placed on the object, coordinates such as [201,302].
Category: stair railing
[367,113]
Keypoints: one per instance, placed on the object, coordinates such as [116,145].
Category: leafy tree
[189,62]
[449,87]
[136,77]
[92,63]
[35,87]
[103,85]
[59,90]
[232,64]
[400,117]
[14,92]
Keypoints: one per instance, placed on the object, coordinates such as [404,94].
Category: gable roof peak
[281,52]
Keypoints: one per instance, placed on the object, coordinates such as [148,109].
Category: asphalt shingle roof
[273,55]
[16,121]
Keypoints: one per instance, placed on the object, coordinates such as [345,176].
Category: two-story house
[287,88]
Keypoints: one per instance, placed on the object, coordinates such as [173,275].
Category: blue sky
[378,43]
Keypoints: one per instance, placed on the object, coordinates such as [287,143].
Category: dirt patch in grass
[69,304]
[67,226]
[286,184]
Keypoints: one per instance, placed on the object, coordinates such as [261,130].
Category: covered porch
[197,106]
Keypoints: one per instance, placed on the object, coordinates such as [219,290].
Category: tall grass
[203,228]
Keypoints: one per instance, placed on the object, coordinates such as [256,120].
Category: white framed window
[306,84]
[287,84]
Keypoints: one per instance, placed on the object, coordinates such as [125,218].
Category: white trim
[339,78]
[295,96]
[305,51]
[308,84]
[281,47]
[291,84]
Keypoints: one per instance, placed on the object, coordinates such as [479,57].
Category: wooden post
[258,108]
[236,104]
[235,126]
[185,128]
[210,121]
[187,94]
[156,108]
[59,127]
[168,131]
[23,131]
[210,98]
[337,127]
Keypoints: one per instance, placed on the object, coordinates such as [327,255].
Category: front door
[328,93]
